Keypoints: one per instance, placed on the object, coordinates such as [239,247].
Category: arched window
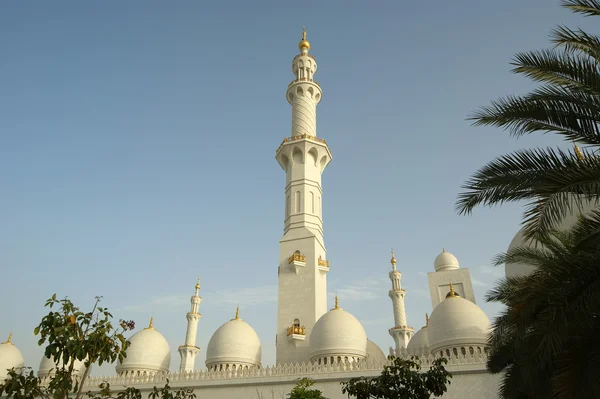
[296,323]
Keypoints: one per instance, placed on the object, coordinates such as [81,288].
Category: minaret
[401,332]
[302,261]
[189,350]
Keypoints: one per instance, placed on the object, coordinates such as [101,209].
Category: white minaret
[401,332]
[189,350]
[302,260]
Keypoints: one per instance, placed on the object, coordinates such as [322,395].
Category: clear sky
[138,140]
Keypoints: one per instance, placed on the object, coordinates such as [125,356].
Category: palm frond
[585,7]
[552,179]
[574,41]
[560,68]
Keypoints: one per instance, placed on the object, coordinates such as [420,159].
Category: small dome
[234,344]
[10,357]
[338,334]
[374,352]
[148,353]
[457,321]
[445,261]
[48,367]
[419,341]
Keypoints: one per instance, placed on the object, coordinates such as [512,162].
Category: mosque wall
[468,382]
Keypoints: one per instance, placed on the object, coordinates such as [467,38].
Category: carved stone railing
[300,137]
[422,357]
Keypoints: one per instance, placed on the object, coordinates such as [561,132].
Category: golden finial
[337,303]
[304,44]
[578,152]
[8,341]
[237,313]
[452,293]
[426,319]
[198,283]
[151,324]
[393,260]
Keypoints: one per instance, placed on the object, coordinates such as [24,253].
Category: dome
[148,353]
[48,367]
[445,261]
[457,321]
[374,352]
[234,344]
[338,334]
[518,269]
[10,356]
[419,341]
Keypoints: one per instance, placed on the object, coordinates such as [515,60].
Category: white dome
[236,344]
[338,334]
[48,367]
[148,353]
[457,322]
[10,356]
[518,269]
[374,352]
[445,261]
[419,341]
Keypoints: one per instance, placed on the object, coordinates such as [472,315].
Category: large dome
[235,344]
[10,357]
[48,367]
[518,269]
[445,261]
[148,353]
[337,336]
[457,322]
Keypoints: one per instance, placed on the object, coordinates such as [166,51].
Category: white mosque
[327,345]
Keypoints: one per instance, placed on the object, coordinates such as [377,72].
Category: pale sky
[138,141]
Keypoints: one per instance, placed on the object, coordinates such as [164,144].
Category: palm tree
[546,338]
[566,103]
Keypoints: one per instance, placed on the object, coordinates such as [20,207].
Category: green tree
[73,336]
[302,390]
[566,103]
[545,339]
[401,380]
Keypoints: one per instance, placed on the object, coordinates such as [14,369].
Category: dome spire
[337,303]
[304,44]
[198,285]
[426,319]
[237,313]
[452,293]
[393,260]
[151,324]
[9,340]
[578,152]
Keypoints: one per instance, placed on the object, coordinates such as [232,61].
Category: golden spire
[151,325]
[426,319]
[452,293]
[304,43]
[198,283]
[578,152]
[237,313]
[337,303]
[393,260]
[8,341]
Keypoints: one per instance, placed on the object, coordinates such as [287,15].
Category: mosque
[327,345]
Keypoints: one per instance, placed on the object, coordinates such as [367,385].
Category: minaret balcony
[323,264]
[296,333]
[401,328]
[296,261]
[301,137]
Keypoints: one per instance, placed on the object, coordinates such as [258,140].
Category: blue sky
[138,140]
